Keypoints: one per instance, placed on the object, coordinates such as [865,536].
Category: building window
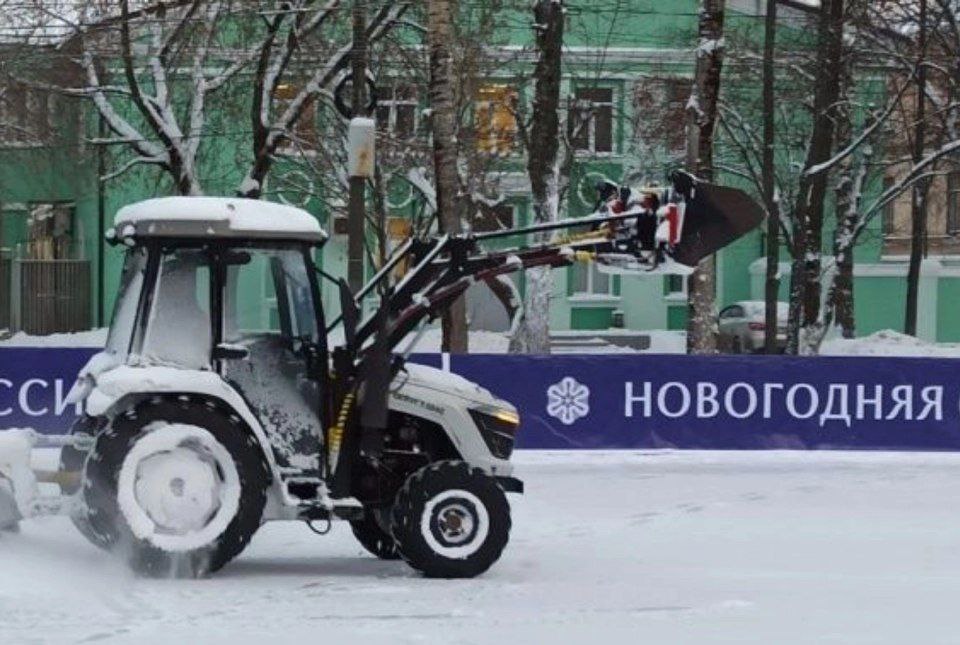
[303,137]
[953,203]
[674,286]
[26,115]
[397,110]
[496,119]
[587,280]
[888,215]
[590,120]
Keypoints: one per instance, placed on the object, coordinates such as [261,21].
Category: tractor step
[345,509]
[310,497]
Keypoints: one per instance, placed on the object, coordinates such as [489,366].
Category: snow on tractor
[221,400]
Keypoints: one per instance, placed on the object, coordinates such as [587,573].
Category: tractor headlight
[498,427]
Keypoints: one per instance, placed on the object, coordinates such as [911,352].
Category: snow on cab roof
[215,217]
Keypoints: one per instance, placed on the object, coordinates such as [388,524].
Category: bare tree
[918,206]
[543,168]
[702,117]
[288,32]
[443,119]
[771,199]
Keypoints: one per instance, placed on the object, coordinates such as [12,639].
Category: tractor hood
[446,383]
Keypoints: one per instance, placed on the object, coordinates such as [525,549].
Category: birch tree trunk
[543,168]
[701,121]
[440,36]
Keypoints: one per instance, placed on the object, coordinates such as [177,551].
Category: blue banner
[638,401]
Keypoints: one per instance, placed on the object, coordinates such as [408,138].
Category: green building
[627,77]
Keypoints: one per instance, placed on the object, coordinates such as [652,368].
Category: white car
[742,326]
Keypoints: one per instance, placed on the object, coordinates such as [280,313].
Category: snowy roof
[216,217]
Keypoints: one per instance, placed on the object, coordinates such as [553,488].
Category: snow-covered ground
[655,547]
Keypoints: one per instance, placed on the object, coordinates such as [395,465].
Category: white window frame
[591,292]
[392,103]
[589,108]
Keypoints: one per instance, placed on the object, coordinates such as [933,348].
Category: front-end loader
[221,402]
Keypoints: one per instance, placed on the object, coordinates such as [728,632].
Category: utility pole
[918,208]
[440,37]
[356,216]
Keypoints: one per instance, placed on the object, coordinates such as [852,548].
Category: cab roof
[215,217]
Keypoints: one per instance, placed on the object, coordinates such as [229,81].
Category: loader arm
[702,219]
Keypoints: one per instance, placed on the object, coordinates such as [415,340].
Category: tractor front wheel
[451,520]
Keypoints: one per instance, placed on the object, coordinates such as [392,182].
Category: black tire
[103,469]
[72,460]
[448,491]
[373,538]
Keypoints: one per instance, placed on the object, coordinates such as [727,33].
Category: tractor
[225,398]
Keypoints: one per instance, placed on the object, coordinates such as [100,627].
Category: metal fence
[49,296]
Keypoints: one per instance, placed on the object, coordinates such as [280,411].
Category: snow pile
[15,446]
[888,343]
[881,343]
[91,338]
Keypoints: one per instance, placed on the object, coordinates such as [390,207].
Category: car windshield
[125,307]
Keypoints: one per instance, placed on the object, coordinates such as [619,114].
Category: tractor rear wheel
[451,520]
[72,461]
[178,485]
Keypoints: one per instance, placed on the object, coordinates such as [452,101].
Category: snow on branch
[866,133]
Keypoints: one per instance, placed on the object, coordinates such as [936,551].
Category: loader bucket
[715,217]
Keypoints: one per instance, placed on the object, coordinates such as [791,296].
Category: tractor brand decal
[635,401]
[436,409]
[568,400]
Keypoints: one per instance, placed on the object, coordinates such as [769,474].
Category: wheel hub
[180,490]
[456,523]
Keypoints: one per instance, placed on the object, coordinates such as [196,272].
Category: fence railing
[47,296]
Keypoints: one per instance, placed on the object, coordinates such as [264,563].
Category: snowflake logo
[568,400]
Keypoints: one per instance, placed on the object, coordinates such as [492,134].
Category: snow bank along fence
[638,401]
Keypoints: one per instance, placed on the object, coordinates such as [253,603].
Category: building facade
[627,78]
